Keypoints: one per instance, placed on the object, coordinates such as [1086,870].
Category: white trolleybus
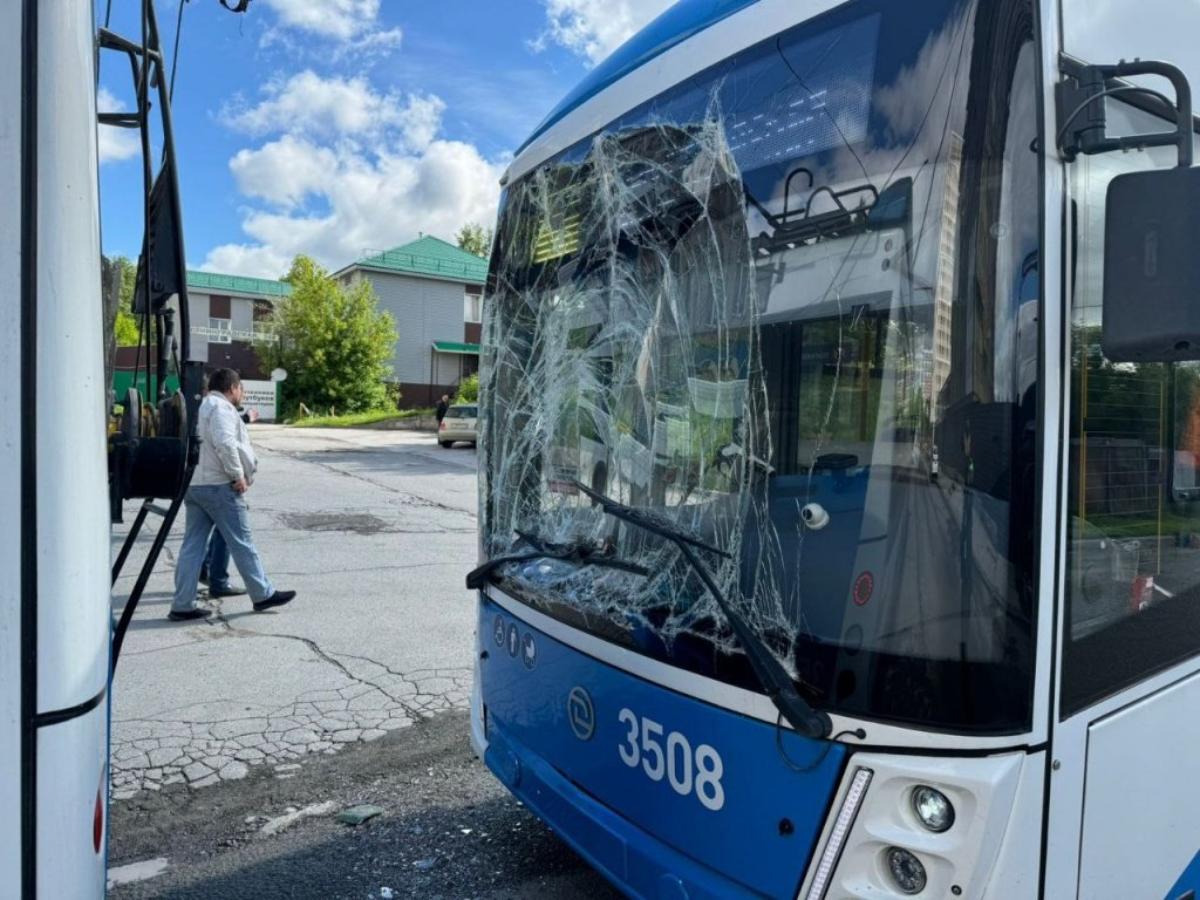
[840,455]
[58,640]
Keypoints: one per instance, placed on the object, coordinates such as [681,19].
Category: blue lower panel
[1188,885]
[668,795]
[635,861]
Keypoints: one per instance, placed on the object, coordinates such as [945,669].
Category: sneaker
[184,615]
[279,598]
[228,590]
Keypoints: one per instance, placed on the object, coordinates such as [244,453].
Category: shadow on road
[424,854]
[448,830]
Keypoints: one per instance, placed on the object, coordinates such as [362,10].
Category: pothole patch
[356,523]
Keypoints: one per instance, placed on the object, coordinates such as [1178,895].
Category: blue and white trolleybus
[840,455]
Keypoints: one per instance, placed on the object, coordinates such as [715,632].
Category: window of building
[263,321]
[220,307]
[220,331]
[473,305]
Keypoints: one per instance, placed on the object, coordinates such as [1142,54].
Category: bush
[394,394]
[468,390]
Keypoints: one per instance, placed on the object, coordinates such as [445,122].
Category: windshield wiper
[580,553]
[775,681]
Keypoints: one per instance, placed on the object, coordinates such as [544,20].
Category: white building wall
[425,310]
[447,368]
[241,313]
[198,314]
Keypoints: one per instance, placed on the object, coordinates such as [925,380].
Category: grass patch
[353,420]
[1145,526]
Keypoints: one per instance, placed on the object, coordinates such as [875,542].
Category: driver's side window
[1133,511]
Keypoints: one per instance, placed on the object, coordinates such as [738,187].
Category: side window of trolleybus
[1133,517]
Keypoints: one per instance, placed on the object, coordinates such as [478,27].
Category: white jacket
[225,451]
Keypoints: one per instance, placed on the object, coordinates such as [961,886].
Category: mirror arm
[1083,93]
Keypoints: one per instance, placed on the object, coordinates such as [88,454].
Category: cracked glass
[789,306]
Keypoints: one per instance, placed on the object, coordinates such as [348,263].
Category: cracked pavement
[375,530]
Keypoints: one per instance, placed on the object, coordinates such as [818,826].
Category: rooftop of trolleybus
[764,409]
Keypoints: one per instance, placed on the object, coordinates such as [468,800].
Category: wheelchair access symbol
[581,715]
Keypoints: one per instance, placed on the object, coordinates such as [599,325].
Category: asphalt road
[447,830]
[356,692]
[375,530]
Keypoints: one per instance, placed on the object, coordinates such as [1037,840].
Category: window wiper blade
[580,553]
[775,681]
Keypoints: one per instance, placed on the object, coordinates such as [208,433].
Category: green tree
[335,343]
[474,238]
[126,326]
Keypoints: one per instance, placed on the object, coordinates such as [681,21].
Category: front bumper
[653,825]
[632,859]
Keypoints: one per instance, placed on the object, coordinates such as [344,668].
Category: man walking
[214,571]
[216,499]
[442,406]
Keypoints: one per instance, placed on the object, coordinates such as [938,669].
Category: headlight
[906,870]
[933,808]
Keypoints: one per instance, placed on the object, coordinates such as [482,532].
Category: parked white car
[460,424]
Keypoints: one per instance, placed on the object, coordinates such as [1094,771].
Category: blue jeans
[216,564]
[217,506]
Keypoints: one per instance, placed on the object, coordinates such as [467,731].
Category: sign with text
[260,396]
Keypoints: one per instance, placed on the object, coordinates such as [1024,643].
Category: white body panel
[66,431]
[73,550]
[966,856]
[10,444]
[479,741]
[72,767]
[1141,819]
[1054,393]
[1069,749]
[1016,873]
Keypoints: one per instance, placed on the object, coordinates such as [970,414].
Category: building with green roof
[426,257]
[433,290]
[229,314]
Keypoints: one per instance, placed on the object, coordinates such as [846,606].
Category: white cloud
[115,144]
[421,119]
[313,106]
[371,201]
[347,30]
[283,172]
[348,169]
[369,46]
[594,28]
[340,19]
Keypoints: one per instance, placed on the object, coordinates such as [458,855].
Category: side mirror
[893,207]
[1152,267]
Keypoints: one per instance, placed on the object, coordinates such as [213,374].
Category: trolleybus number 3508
[687,772]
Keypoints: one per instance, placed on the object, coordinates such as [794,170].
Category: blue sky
[330,127]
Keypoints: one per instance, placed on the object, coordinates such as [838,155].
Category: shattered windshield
[790,305]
